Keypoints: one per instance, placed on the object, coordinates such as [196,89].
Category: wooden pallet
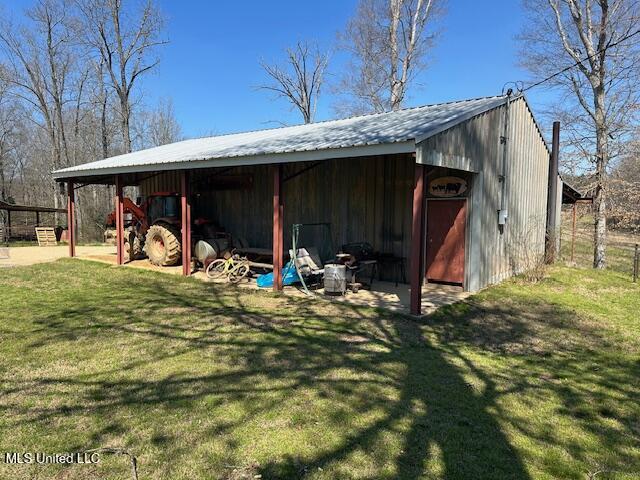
[46,236]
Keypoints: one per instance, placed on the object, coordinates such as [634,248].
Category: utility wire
[588,57]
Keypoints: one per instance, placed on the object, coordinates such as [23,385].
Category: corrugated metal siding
[163,182]
[364,199]
[527,187]
[492,255]
[464,146]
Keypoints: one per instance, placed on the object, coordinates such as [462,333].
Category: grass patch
[202,381]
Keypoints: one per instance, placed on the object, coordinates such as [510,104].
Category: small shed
[25,229]
[459,189]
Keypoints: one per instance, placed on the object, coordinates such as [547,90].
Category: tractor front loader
[152,228]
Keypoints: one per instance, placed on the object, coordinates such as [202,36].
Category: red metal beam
[119,222]
[277,227]
[417,239]
[186,223]
[71,218]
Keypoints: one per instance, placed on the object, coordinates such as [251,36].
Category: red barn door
[445,240]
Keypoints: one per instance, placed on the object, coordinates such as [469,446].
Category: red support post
[278,211]
[71,218]
[417,239]
[119,221]
[186,223]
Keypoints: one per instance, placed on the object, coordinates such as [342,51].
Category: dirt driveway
[19,256]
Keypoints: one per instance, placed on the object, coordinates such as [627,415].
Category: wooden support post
[186,223]
[119,221]
[71,218]
[636,263]
[278,211]
[573,231]
[417,240]
[37,219]
[8,234]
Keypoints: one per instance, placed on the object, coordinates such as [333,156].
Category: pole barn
[456,191]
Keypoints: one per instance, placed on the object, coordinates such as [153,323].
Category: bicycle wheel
[238,273]
[216,269]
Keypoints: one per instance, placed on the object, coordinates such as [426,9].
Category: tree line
[70,76]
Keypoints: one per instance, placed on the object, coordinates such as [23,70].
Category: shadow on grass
[408,379]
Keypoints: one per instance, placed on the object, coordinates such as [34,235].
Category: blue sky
[211,65]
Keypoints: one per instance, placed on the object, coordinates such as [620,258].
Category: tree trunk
[126,115]
[396,86]
[600,203]
[600,235]
[103,127]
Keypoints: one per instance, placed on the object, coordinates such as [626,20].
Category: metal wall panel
[494,253]
[364,199]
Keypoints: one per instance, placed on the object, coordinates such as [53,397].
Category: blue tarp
[289,277]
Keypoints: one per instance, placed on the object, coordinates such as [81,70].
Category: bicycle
[234,268]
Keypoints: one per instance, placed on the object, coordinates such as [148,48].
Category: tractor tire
[162,244]
[134,248]
[138,248]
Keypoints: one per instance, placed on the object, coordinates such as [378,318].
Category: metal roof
[12,207]
[382,133]
[570,194]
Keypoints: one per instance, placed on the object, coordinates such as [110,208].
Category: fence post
[636,263]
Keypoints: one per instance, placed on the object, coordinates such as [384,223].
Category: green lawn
[199,381]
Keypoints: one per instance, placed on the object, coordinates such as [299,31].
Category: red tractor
[153,228]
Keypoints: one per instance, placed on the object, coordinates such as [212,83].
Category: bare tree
[625,190]
[157,126]
[125,42]
[42,58]
[389,41]
[58,104]
[299,81]
[9,123]
[600,95]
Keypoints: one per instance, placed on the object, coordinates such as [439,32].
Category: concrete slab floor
[387,296]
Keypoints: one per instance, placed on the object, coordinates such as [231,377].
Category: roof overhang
[408,146]
[12,207]
[571,194]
